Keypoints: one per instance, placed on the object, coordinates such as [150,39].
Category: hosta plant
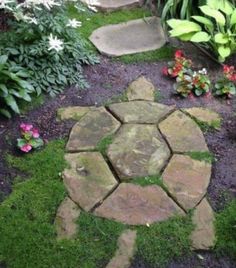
[214,29]
[30,138]
[226,85]
[13,86]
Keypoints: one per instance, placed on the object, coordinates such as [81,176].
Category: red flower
[165,71]
[179,54]
[226,68]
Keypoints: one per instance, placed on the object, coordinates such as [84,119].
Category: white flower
[34,3]
[203,71]
[92,8]
[74,23]
[55,43]
[4,4]
[33,20]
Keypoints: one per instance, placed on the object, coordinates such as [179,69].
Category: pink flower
[35,133]
[26,148]
[25,127]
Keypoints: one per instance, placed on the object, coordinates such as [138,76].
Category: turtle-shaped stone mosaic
[149,139]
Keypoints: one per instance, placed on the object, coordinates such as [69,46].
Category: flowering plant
[227,84]
[30,138]
[189,83]
[179,66]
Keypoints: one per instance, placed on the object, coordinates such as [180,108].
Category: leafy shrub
[13,86]
[29,45]
[215,29]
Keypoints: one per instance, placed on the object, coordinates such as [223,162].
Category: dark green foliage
[226,230]
[160,243]
[13,86]
[50,71]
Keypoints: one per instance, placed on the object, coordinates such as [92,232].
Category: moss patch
[92,21]
[226,230]
[103,144]
[149,180]
[27,216]
[161,243]
[202,156]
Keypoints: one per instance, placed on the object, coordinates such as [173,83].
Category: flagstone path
[149,139]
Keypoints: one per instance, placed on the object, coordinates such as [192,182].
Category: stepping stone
[65,222]
[73,112]
[125,252]
[111,5]
[187,180]
[138,151]
[94,126]
[130,37]
[182,133]
[203,237]
[88,179]
[136,205]
[140,112]
[204,115]
[141,89]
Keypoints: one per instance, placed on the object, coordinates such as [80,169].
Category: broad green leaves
[217,15]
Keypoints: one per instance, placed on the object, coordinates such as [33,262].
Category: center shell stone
[138,150]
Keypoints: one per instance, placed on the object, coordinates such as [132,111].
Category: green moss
[27,216]
[161,243]
[103,144]
[115,99]
[226,230]
[149,180]
[164,53]
[202,156]
[92,21]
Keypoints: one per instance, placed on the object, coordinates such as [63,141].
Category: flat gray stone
[182,133]
[125,251]
[187,180]
[93,126]
[65,221]
[130,37]
[141,89]
[140,112]
[203,237]
[138,151]
[111,5]
[88,178]
[136,205]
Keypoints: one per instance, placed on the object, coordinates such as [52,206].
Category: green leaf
[224,51]
[200,37]
[204,20]
[221,38]
[198,92]
[4,89]
[23,74]
[233,18]
[184,28]
[5,113]
[3,59]
[173,23]
[21,142]
[11,102]
[217,15]
[36,143]
[186,37]
[213,4]
[226,7]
